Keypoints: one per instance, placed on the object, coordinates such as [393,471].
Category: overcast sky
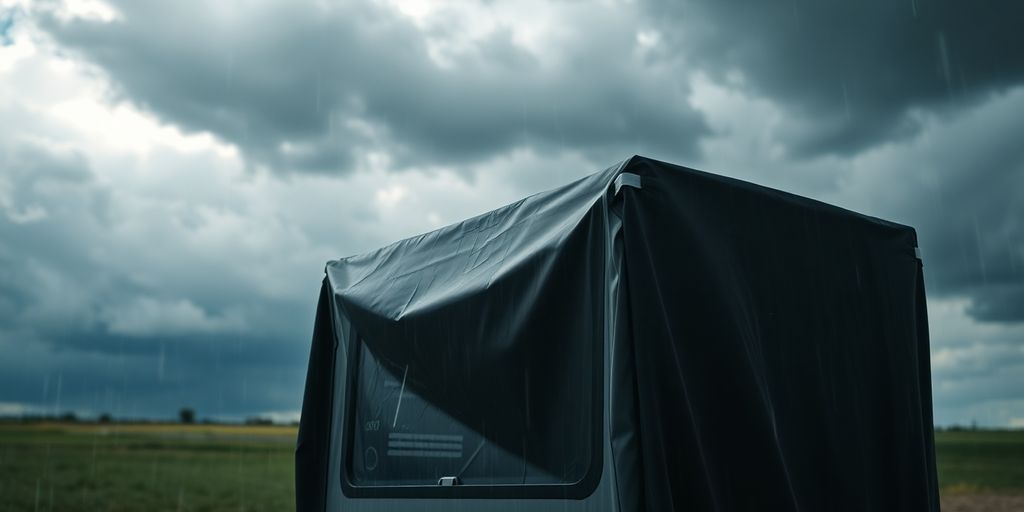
[173,175]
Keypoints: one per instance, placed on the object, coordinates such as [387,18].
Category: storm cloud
[173,175]
[306,87]
[853,73]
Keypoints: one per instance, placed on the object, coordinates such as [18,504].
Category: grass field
[978,461]
[84,467]
[80,467]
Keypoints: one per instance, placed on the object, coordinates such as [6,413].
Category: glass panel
[514,435]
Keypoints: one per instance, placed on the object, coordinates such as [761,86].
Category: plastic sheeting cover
[771,350]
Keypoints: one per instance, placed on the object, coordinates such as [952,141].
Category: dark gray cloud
[218,377]
[1001,303]
[961,185]
[309,87]
[853,71]
[148,276]
[87,300]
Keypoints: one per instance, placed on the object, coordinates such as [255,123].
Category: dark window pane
[485,430]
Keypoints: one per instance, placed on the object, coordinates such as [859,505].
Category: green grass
[971,461]
[83,467]
[153,468]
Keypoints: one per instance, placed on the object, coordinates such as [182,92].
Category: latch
[448,481]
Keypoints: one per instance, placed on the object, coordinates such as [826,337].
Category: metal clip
[627,179]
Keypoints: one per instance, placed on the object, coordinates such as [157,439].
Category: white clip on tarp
[627,179]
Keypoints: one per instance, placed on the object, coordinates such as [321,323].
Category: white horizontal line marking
[425,437]
[426,445]
[425,453]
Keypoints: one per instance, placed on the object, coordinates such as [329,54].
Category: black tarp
[765,351]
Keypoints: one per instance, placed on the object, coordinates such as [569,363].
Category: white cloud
[455,28]
[977,367]
[123,128]
[21,48]
[952,327]
[751,138]
[389,197]
[281,417]
[87,9]
[19,409]
[146,316]
[648,39]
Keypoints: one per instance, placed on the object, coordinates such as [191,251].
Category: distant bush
[187,415]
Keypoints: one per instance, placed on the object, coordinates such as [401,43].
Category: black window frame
[578,490]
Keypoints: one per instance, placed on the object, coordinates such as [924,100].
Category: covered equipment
[650,337]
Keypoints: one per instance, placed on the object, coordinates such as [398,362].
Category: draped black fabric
[312,441]
[767,351]
[779,349]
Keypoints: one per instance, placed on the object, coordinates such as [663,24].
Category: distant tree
[68,417]
[105,418]
[187,415]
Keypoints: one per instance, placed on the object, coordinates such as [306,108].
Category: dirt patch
[983,502]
